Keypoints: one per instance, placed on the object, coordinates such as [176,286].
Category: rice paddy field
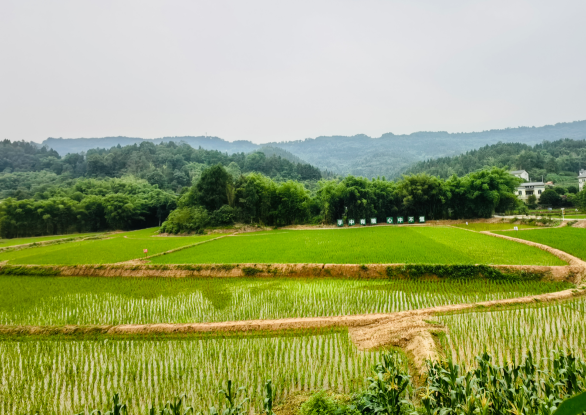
[54,301]
[116,248]
[52,374]
[509,334]
[66,377]
[414,245]
[567,239]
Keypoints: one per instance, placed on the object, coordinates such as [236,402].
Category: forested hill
[389,155]
[558,161]
[26,168]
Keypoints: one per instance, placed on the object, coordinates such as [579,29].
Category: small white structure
[522,174]
[530,189]
[582,179]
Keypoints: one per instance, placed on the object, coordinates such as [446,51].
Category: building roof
[518,171]
[532,184]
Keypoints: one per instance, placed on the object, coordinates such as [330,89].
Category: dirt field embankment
[372,271]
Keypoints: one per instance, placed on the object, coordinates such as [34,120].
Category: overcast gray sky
[275,70]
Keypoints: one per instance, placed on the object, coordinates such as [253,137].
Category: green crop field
[66,377]
[95,300]
[508,335]
[23,241]
[116,248]
[427,245]
[481,227]
[567,239]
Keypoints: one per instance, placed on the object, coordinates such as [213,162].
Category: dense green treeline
[169,165]
[219,198]
[558,161]
[87,205]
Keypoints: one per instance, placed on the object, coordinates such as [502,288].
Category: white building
[582,179]
[522,174]
[530,189]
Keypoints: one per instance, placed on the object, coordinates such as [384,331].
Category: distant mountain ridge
[361,155]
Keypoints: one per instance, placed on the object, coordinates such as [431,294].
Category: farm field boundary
[140,260]
[571,273]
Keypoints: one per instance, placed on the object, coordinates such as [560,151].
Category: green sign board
[373,221]
[400,219]
[411,219]
[390,220]
[421,219]
[351,222]
[340,222]
[363,222]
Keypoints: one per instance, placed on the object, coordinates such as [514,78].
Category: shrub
[223,216]
[186,220]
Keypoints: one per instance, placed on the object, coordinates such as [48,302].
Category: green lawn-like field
[94,300]
[117,248]
[480,227]
[23,241]
[567,239]
[415,245]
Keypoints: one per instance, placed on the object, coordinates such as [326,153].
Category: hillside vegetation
[360,155]
[28,168]
[558,161]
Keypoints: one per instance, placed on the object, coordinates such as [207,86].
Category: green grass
[567,239]
[480,227]
[107,300]
[416,245]
[23,241]
[66,377]
[117,248]
[509,334]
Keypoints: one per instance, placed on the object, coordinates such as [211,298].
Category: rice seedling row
[508,335]
[94,300]
[56,377]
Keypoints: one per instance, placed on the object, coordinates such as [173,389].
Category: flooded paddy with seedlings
[52,301]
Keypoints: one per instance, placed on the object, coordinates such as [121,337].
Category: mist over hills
[360,155]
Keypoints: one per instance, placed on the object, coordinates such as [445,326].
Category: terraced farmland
[50,374]
[92,300]
[415,245]
[116,248]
